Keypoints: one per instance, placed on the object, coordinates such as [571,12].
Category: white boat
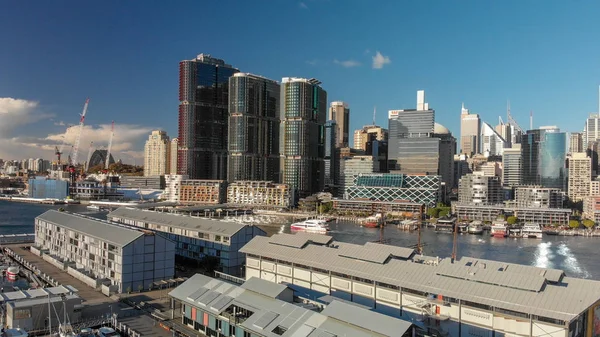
[14,333]
[94,207]
[476,227]
[108,332]
[532,230]
[499,229]
[312,225]
[12,273]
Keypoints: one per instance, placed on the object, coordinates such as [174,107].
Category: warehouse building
[262,308]
[197,238]
[129,259]
[454,297]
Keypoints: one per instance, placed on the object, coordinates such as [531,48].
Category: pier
[34,200]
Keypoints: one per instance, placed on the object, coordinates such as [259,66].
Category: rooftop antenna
[508,110]
[531,120]
[375,110]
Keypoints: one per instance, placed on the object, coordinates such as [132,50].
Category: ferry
[94,207]
[12,273]
[499,229]
[445,225]
[108,332]
[17,332]
[463,228]
[373,221]
[313,225]
[476,227]
[532,230]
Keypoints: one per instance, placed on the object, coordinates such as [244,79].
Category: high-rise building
[173,156]
[506,132]
[552,158]
[530,145]
[369,133]
[591,132]
[538,197]
[447,150]
[203,101]
[576,142]
[253,128]
[511,166]
[491,142]
[461,167]
[303,114]
[470,131]
[332,155]
[340,113]
[156,154]
[355,166]
[580,176]
[479,189]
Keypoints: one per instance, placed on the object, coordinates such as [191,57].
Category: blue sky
[542,55]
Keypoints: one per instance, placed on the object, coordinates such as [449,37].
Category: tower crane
[79,132]
[89,156]
[112,133]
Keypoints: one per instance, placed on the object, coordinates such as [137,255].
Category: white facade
[491,142]
[580,176]
[511,166]
[259,193]
[470,132]
[172,186]
[156,154]
[591,132]
[173,156]
[353,166]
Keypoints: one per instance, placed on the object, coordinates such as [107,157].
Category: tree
[140,288]
[443,213]
[588,223]
[433,212]
[574,224]
[556,224]
[512,220]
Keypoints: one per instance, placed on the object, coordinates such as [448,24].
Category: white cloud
[367,51]
[347,63]
[380,60]
[16,112]
[302,5]
[312,62]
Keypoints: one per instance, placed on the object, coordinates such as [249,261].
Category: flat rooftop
[268,313]
[179,221]
[36,293]
[526,289]
[103,230]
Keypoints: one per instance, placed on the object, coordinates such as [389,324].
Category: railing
[229,278]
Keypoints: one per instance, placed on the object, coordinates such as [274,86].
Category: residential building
[492,169]
[552,158]
[303,112]
[511,166]
[340,113]
[491,142]
[354,166]
[591,208]
[203,102]
[156,154]
[128,258]
[196,238]
[262,308]
[470,132]
[595,187]
[196,191]
[461,167]
[505,131]
[43,188]
[94,190]
[464,296]
[576,142]
[591,132]
[542,216]
[479,189]
[419,189]
[98,158]
[173,186]
[538,197]
[369,133]
[580,176]
[405,209]
[137,182]
[173,155]
[253,137]
[447,151]
[259,194]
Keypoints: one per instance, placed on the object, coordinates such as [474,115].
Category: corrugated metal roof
[106,231]
[268,313]
[298,240]
[179,221]
[520,288]
[264,287]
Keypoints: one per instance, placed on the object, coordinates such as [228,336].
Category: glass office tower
[253,139]
[553,155]
[203,100]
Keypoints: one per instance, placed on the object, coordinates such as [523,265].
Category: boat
[475,227]
[18,332]
[499,229]
[445,225]
[12,273]
[107,332]
[551,231]
[94,207]
[463,228]
[532,230]
[515,232]
[373,221]
[86,332]
[312,225]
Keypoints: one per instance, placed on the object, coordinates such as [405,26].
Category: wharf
[34,200]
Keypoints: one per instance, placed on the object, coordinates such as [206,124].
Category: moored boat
[532,230]
[476,227]
[374,221]
[445,225]
[12,273]
[499,229]
[312,225]
[463,228]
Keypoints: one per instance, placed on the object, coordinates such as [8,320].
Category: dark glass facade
[530,144]
[203,102]
[303,111]
[253,128]
[553,156]
[332,158]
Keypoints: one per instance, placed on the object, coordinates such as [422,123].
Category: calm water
[577,256]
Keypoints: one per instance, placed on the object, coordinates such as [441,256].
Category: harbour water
[577,256]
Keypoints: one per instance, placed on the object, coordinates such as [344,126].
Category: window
[218,252]
[226,239]
[22,313]
[218,238]
[279,330]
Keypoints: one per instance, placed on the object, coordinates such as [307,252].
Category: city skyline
[40,96]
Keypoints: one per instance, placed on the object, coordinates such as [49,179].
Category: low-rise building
[43,188]
[151,182]
[543,216]
[259,194]
[196,238]
[94,190]
[421,189]
[480,189]
[595,187]
[538,197]
[127,258]
[32,314]
[262,308]
[591,208]
[173,186]
[207,192]
[401,208]
[447,297]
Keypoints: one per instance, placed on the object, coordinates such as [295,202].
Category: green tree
[556,224]
[443,212]
[588,223]
[433,212]
[512,220]
[574,223]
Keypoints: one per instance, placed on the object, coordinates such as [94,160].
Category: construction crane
[112,133]
[89,156]
[511,120]
[57,152]
[79,132]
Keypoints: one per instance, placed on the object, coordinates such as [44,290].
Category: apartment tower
[470,131]
[156,154]
[340,113]
[580,176]
[253,128]
[203,101]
